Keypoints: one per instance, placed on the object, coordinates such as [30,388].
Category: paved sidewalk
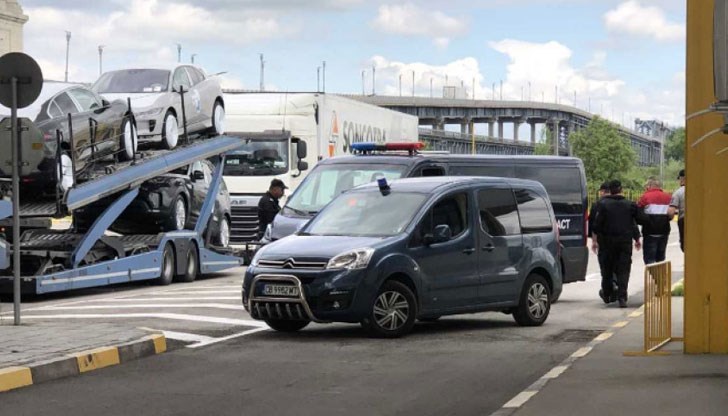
[40,351]
[605,382]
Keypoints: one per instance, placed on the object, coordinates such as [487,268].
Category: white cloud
[410,20]
[633,18]
[141,32]
[548,65]
[459,73]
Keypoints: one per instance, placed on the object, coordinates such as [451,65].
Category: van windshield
[367,214]
[327,181]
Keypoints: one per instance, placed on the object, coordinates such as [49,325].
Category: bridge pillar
[516,126]
[556,130]
[491,127]
[533,131]
[500,130]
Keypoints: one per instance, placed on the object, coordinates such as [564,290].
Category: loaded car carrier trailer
[59,260]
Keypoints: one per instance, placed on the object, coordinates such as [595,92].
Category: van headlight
[354,259]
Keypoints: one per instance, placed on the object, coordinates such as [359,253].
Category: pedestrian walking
[268,205]
[603,191]
[616,227]
[677,206]
[654,217]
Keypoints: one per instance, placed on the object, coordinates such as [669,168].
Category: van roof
[433,184]
[404,159]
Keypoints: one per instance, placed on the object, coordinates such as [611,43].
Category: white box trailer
[299,129]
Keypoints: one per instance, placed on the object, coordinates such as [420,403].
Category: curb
[74,364]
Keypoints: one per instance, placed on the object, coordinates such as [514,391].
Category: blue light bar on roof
[366,147]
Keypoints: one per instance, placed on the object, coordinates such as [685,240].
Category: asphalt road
[224,364]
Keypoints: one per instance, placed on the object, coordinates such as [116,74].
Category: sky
[622,59]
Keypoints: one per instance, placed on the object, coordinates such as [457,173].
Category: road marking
[113,300]
[556,371]
[180,336]
[637,313]
[171,316]
[581,352]
[229,337]
[520,399]
[156,306]
[604,336]
[620,324]
[220,287]
[198,292]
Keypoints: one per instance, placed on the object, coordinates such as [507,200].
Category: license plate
[280,290]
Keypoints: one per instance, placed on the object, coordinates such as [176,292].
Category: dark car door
[500,244]
[102,122]
[449,268]
[200,184]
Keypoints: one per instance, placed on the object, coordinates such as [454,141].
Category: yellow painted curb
[15,377]
[160,343]
[97,358]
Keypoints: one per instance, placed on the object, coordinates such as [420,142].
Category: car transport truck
[286,134]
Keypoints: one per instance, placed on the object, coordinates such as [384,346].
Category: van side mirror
[301,151]
[302,165]
[198,175]
[441,234]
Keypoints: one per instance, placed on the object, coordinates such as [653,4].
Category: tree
[675,145]
[545,145]
[605,152]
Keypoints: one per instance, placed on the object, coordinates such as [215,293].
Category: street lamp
[179,52]
[68,46]
[101,52]
[192,57]
[363,92]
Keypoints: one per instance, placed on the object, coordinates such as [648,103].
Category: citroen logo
[289,264]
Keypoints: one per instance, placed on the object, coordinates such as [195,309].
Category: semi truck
[286,134]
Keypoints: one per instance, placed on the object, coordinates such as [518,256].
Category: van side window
[498,212]
[432,171]
[451,211]
[563,185]
[533,211]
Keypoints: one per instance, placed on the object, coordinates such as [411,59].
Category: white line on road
[172,316]
[581,352]
[229,337]
[220,287]
[158,306]
[180,336]
[556,371]
[520,399]
[236,298]
[197,292]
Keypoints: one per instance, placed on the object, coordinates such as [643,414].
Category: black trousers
[681,229]
[615,260]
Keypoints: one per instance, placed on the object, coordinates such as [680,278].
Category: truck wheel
[166,275]
[170,131]
[192,267]
[218,119]
[535,302]
[178,216]
[393,311]
[281,325]
[128,140]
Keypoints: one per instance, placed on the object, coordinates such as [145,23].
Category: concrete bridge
[495,116]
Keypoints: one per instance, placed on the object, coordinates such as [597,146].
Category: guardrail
[658,309]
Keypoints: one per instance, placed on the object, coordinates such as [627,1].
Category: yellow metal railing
[657,308]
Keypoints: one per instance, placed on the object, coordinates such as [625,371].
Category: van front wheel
[393,311]
[535,302]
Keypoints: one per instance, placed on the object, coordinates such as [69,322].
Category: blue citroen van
[563,178]
[385,254]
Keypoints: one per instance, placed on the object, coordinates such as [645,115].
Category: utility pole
[493,87]
[179,52]
[374,80]
[68,46]
[431,87]
[400,85]
[262,72]
[529,90]
[192,58]
[318,79]
[473,88]
[413,83]
[501,90]
[363,92]
[101,52]
[324,76]
[556,94]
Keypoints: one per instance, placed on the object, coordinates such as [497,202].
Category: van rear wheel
[535,302]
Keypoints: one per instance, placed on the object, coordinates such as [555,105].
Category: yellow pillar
[706,257]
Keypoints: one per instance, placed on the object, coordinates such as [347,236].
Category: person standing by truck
[268,205]
[616,227]
[677,206]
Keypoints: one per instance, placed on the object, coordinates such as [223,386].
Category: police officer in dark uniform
[268,206]
[616,226]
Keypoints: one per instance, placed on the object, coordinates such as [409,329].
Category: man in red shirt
[655,221]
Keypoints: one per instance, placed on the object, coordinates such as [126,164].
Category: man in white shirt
[677,206]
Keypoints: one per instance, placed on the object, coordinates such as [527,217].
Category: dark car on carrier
[384,255]
[170,202]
